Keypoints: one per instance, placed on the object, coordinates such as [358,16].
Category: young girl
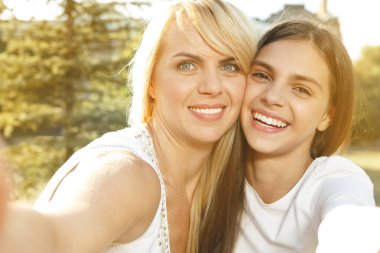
[145,188]
[296,114]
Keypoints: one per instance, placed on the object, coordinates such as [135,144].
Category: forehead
[186,38]
[300,57]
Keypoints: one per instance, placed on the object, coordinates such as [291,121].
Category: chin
[208,136]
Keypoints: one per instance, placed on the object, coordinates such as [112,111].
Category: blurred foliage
[2,7]
[33,162]
[59,85]
[367,74]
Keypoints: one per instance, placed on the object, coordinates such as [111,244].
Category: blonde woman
[146,188]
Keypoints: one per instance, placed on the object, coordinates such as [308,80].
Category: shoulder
[337,181]
[104,194]
[337,162]
[337,172]
[338,167]
[128,188]
[117,187]
[122,170]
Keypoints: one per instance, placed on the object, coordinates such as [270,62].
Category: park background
[63,77]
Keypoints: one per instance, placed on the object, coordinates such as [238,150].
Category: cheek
[162,88]
[251,93]
[236,90]
[310,115]
[239,95]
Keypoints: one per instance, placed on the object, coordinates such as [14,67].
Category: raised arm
[111,197]
[350,229]
[349,221]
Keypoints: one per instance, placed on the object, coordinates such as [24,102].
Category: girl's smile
[287,97]
[265,122]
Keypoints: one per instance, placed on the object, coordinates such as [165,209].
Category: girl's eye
[303,91]
[230,67]
[261,75]
[186,66]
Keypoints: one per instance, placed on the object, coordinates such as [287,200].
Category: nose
[210,83]
[274,94]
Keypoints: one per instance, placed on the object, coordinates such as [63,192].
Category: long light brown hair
[341,82]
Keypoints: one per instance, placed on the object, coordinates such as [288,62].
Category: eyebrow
[307,79]
[193,56]
[198,58]
[294,76]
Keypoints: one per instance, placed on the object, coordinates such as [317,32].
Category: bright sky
[359,20]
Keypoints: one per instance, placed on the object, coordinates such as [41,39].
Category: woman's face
[197,91]
[286,99]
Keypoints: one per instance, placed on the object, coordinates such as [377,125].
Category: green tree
[2,6]
[367,73]
[59,85]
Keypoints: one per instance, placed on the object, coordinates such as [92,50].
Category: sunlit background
[60,85]
[359,20]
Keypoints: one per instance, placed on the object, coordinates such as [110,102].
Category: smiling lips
[208,112]
[267,121]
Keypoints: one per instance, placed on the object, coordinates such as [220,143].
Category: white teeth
[269,121]
[206,110]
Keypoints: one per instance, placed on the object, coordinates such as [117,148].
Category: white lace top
[138,141]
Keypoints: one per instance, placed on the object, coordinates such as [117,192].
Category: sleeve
[345,209]
[349,190]
[342,182]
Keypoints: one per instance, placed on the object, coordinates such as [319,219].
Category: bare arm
[106,198]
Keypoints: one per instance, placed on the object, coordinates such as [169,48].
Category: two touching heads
[229,32]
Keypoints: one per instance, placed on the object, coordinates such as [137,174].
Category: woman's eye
[186,66]
[230,67]
[302,90]
[261,75]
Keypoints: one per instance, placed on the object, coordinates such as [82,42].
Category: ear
[326,120]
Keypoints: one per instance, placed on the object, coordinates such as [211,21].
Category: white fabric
[136,140]
[361,234]
[291,224]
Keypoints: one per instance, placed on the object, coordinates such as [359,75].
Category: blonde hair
[222,26]
[226,30]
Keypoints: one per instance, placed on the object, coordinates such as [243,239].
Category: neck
[180,161]
[274,176]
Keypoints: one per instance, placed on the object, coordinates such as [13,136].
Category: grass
[369,160]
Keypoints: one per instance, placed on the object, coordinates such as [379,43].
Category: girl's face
[198,92]
[286,99]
